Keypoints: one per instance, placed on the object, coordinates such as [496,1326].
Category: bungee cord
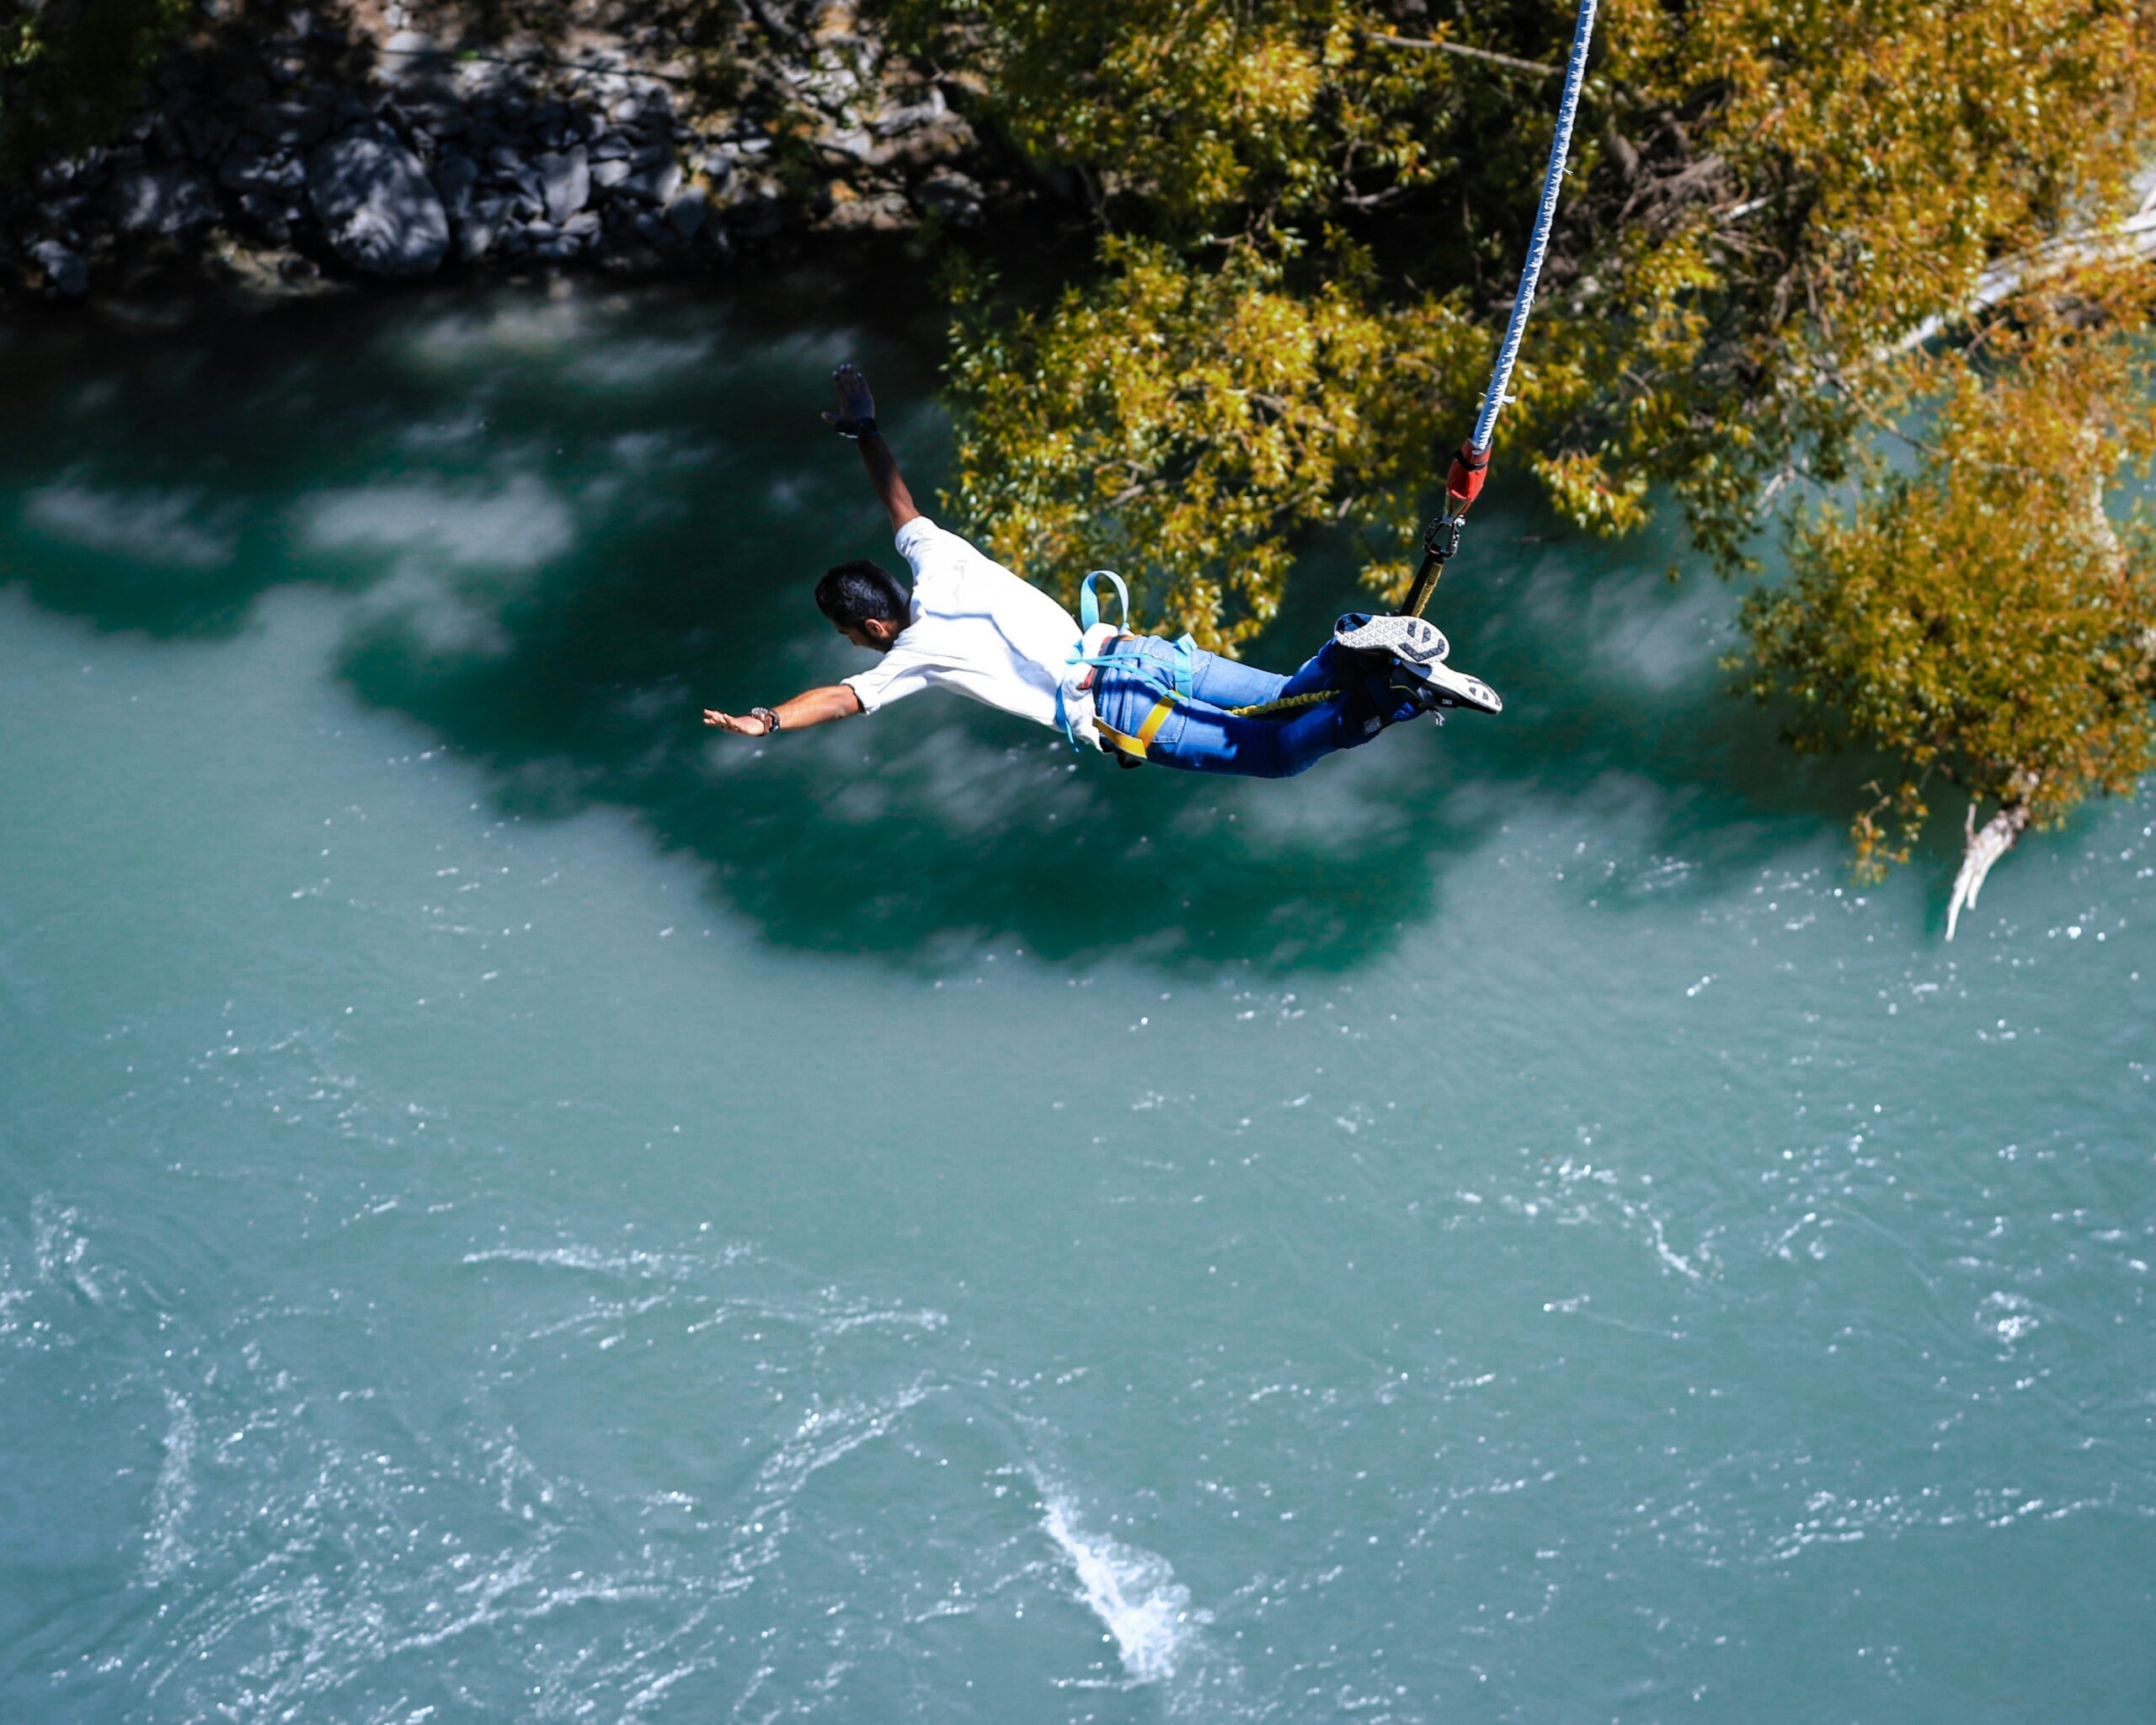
[1470,465]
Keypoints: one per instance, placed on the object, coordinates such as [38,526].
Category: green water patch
[565,522]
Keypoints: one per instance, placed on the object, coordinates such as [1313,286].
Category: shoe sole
[1455,689]
[1412,640]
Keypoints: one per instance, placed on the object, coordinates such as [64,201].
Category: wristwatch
[865,426]
[770,720]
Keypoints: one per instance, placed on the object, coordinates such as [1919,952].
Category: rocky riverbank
[347,142]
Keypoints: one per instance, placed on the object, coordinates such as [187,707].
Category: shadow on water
[564,523]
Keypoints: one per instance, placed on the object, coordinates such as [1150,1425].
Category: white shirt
[976,628]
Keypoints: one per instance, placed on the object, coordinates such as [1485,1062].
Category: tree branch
[1980,849]
[1494,58]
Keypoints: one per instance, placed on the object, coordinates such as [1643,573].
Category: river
[512,1206]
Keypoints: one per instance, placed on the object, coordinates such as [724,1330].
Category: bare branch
[2133,238]
[1980,849]
[1426,45]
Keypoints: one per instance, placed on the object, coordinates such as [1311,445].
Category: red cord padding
[1463,483]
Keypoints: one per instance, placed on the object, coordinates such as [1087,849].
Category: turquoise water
[512,1207]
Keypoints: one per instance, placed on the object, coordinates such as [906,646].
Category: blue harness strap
[1089,604]
[1089,619]
[1182,667]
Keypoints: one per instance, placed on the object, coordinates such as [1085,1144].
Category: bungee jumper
[972,625]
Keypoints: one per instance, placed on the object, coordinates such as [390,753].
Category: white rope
[1485,422]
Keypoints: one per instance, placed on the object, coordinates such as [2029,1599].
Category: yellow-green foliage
[1192,110]
[1185,425]
[1768,254]
[1981,617]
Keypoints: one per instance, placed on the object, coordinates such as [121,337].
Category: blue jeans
[1201,736]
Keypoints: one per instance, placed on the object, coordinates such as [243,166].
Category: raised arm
[855,417]
[812,706]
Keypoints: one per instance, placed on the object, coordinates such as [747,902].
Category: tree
[1981,619]
[1792,230]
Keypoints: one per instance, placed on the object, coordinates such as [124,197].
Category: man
[971,625]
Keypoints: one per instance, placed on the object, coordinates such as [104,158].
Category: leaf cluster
[1190,425]
[1979,618]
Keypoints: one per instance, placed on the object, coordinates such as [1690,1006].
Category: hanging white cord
[1485,422]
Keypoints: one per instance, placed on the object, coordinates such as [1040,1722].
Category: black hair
[852,592]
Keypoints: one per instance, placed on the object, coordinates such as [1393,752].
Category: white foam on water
[830,1432]
[165,528]
[523,329]
[518,524]
[1134,1593]
[12,1293]
[639,362]
[646,1265]
[63,1250]
[172,1497]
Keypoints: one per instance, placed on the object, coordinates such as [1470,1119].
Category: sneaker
[1409,639]
[1441,686]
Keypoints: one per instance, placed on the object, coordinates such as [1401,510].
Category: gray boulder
[65,273]
[455,177]
[893,121]
[477,234]
[376,204]
[270,175]
[289,124]
[685,213]
[411,55]
[952,195]
[654,177]
[162,200]
[565,182]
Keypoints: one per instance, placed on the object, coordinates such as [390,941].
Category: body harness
[1131,746]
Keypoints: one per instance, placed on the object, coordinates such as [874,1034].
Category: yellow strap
[1135,746]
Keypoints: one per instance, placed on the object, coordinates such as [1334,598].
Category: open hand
[855,400]
[749,726]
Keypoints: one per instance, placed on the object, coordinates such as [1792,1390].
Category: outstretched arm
[856,405]
[814,707]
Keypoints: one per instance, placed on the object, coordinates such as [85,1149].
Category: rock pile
[315,152]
